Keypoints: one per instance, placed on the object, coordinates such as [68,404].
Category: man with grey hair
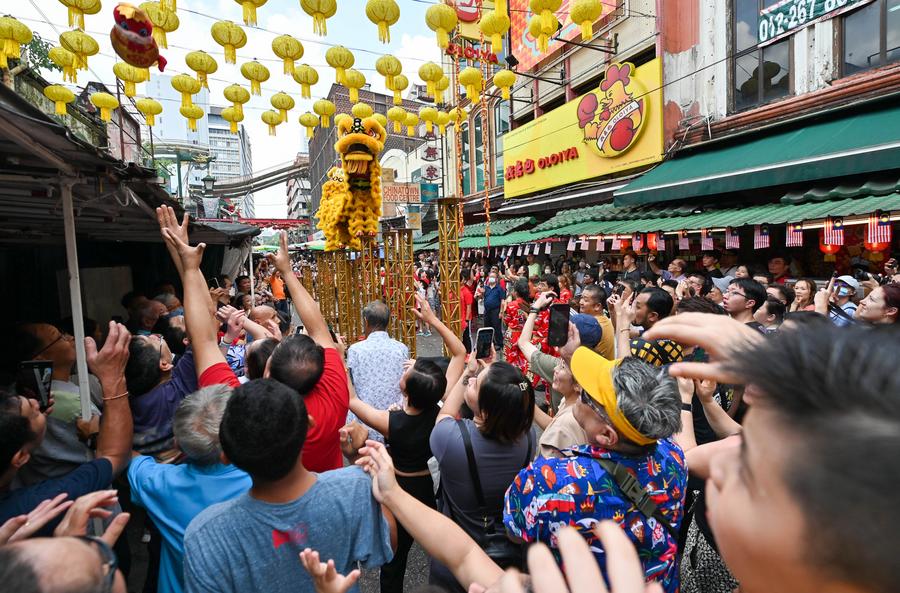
[631,470]
[174,494]
[376,363]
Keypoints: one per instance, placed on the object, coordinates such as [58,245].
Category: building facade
[299,201]
[231,155]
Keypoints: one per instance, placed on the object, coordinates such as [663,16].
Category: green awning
[499,226]
[834,146]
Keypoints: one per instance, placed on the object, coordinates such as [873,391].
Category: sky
[411,42]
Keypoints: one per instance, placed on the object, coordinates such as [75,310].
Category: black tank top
[409,439]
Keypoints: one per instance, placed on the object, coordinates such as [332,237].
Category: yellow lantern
[380,119]
[105,103]
[283,102]
[319,10]
[130,76]
[203,64]
[231,37]
[81,44]
[494,24]
[257,74]
[442,119]
[340,58]
[171,5]
[536,31]
[164,21]
[65,60]
[309,121]
[238,95]
[441,19]
[149,108]
[192,113]
[439,87]
[339,118]
[187,85]
[383,13]
[389,67]
[60,96]
[324,109]
[13,35]
[583,13]
[398,116]
[504,79]
[471,79]
[79,8]
[306,77]
[354,80]
[429,116]
[289,50]
[430,73]
[271,119]
[250,7]
[412,120]
[400,84]
[545,9]
[233,117]
[362,110]
[458,115]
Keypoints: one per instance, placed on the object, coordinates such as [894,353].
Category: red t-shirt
[218,374]
[467,302]
[328,404]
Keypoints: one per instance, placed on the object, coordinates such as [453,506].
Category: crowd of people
[693,430]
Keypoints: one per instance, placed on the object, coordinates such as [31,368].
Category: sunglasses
[589,402]
[110,563]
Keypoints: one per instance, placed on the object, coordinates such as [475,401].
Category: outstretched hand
[92,505]
[326,578]
[376,461]
[423,310]
[24,526]
[190,257]
[281,260]
[108,365]
[166,218]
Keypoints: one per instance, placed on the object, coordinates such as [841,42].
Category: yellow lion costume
[351,198]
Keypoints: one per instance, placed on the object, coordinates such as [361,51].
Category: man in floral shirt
[625,443]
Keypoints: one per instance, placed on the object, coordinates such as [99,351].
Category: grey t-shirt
[246,545]
[498,464]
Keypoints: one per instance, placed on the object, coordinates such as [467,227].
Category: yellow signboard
[468,13]
[614,128]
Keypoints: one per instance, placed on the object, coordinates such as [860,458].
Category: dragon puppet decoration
[351,198]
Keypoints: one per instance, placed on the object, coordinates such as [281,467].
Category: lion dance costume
[351,198]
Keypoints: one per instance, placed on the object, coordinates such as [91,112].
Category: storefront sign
[789,16]
[414,217]
[400,193]
[469,13]
[429,191]
[614,128]
[472,53]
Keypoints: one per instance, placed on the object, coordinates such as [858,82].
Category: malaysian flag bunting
[761,236]
[834,230]
[684,242]
[548,247]
[519,250]
[616,244]
[879,230]
[583,243]
[637,241]
[706,240]
[794,235]
[571,245]
[732,238]
[660,241]
[601,244]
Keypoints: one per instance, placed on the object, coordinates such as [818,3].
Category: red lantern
[827,249]
[876,247]
[651,241]
[624,244]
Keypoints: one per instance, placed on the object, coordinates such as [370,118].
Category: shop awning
[499,226]
[834,146]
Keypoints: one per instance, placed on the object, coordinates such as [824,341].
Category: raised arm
[306,306]
[116,425]
[454,344]
[719,420]
[524,343]
[457,393]
[686,438]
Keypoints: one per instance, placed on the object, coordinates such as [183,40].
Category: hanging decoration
[383,13]
[443,118]
[306,77]
[231,37]
[271,119]
[164,21]
[458,115]
[64,59]
[149,108]
[283,102]
[340,116]
[309,121]
[354,80]
[440,87]
[412,122]
[257,74]
[13,35]
[83,46]
[537,32]
[495,24]
[400,84]
[188,86]
[878,229]
[60,95]
[504,80]
[79,8]
[362,110]
[105,103]
[545,9]
[341,59]
[430,73]
[203,64]
[289,50]
[250,7]
[441,19]
[389,67]
[324,109]
[398,116]
[471,79]
[583,13]
[238,95]
[381,119]
[320,11]
[131,38]
[171,5]
[429,116]
[191,113]
[233,117]
[130,77]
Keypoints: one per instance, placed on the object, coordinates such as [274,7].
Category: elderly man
[376,363]
[629,471]
[174,494]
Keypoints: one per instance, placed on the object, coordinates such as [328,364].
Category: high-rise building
[299,198]
[232,154]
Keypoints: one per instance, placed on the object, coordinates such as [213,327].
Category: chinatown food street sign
[789,16]
[614,128]
[400,193]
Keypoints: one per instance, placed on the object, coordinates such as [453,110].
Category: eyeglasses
[110,563]
[62,336]
[735,293]
[589,402]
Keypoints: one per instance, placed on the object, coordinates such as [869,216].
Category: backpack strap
[638,496]
[473,470]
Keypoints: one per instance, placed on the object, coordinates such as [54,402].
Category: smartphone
[483,342]
[33,381]
[559,325]
[213,282]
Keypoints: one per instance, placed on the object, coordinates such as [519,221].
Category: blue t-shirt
[173,495]
[247,545]
[154,411]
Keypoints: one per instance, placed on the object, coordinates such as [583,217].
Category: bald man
[58,565]
[263,313]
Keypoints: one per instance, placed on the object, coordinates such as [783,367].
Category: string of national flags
[878,230]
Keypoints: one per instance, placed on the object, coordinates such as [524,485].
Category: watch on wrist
[686,407]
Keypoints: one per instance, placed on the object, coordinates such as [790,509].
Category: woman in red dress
[565,289]
[514,320]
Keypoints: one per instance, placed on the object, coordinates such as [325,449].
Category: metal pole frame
[344,288]
[320,281]
[407,289]
[449,262]
[392,280]
[356,297]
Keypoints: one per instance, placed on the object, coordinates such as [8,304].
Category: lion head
[359,142]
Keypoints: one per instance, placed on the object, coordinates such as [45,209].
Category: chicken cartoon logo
[468,11]
[612,117]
